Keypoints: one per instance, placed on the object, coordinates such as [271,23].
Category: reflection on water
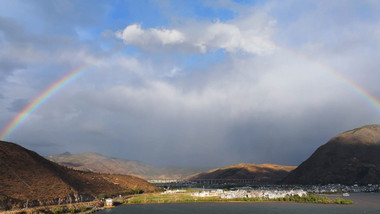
[363,203]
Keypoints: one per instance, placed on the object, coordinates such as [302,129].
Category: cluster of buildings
[243,193]
[279,191]
[208,193]
[332,188]
[173,191]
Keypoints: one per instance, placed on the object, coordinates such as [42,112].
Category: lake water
[363,203]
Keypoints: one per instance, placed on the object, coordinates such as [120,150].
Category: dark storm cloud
[8,65]
[10,29]
[17,105]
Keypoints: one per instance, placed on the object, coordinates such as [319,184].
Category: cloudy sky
[190,83]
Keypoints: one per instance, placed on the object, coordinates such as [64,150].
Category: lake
[363,203]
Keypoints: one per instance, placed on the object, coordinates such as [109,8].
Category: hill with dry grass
[348,158]
[261,173]
[94,162]
[27,179]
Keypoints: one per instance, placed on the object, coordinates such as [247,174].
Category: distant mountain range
[27,179]
[98,163]
[260,173]
[348,158]
[352,157]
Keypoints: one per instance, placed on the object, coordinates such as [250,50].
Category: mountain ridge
[262,173]
[95,162]
[351,157]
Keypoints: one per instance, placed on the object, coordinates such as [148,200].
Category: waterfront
[363,203]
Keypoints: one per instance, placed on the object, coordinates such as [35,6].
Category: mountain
[26,177]
[348,158]
[98,163]
[94,162]
[262,173]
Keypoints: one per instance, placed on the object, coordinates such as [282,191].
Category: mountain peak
[369,134]
[66,153]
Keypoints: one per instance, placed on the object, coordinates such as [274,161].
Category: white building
[109,202]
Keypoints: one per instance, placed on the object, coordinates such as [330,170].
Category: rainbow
[352,85]
[357,88]
[40,99]
[65,80]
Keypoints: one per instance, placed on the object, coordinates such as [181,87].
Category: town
[245,193]
[277,191]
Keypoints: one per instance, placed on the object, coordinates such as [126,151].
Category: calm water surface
[363,203]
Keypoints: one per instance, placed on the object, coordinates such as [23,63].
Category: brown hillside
[262,173]
[25,176]
[348,158]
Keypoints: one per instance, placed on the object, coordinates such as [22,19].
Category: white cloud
[252,35]
[173,72]
[134,35]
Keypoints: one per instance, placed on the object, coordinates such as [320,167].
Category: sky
[188,83]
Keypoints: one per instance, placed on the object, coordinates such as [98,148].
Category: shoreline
[90,207]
